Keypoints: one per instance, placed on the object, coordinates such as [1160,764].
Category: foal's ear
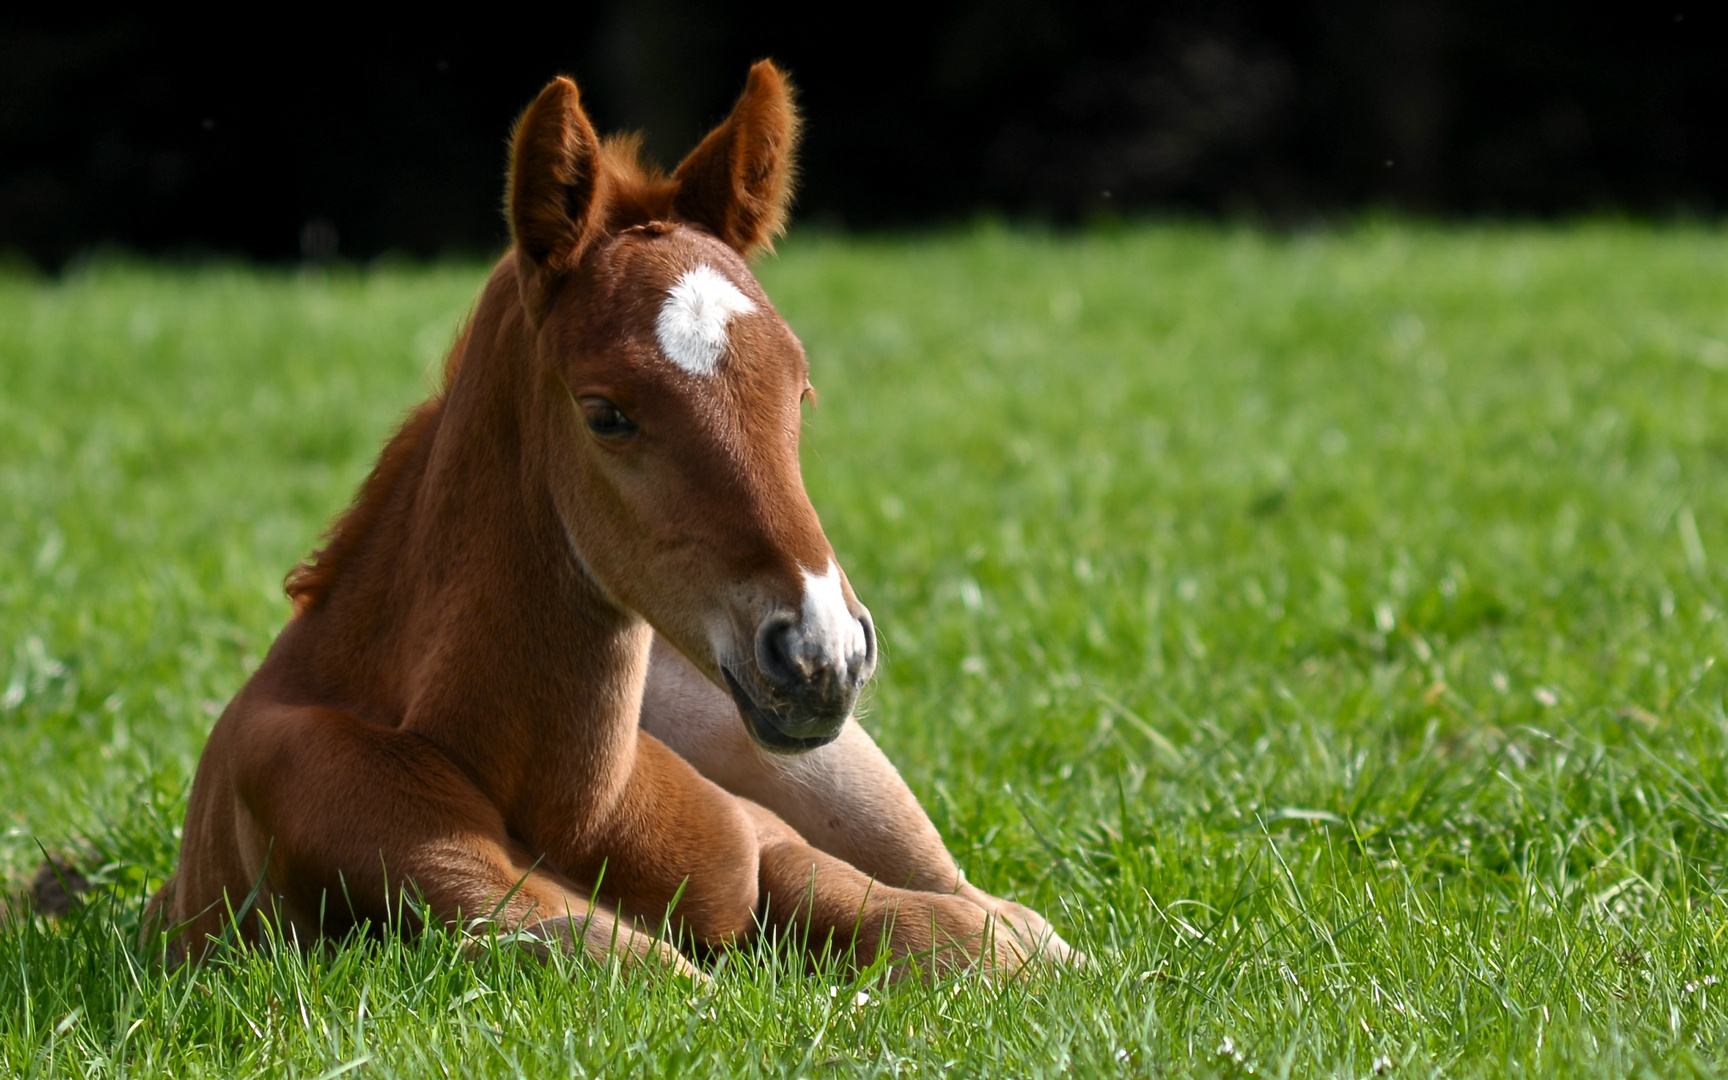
[738,182]
[554,187]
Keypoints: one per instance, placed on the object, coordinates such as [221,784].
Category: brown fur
[453,709]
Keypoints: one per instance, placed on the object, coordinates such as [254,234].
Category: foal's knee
[718,903]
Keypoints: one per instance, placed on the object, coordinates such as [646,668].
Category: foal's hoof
[597,941]
[1034,937]
[1037,939]
[940,935]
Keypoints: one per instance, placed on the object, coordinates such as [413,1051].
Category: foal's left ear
[738,183]
[555,189]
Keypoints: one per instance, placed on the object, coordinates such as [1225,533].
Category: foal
[456,707]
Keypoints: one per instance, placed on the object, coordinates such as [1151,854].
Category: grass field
[1326,631]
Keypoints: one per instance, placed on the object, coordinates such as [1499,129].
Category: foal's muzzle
[805,684]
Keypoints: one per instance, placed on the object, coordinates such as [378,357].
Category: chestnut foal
[500,688]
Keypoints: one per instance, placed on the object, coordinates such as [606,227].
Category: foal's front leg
[679,847]
[845,799]
[831,906]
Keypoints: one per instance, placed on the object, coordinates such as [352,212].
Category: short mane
[637,192]
[308,582]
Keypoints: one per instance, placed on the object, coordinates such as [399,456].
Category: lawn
[1326,631]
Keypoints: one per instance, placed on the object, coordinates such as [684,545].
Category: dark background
[316,139]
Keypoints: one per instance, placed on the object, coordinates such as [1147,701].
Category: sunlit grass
[1325,631]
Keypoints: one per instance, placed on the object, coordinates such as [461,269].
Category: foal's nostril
[777,650]
[867,663]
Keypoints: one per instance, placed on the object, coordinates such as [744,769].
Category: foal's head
[673,392]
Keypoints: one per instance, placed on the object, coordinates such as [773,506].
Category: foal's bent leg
[727,861]
[846,798]
[831,905]
[675,848]
[340,817]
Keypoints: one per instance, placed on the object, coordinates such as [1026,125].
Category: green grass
[1325,631]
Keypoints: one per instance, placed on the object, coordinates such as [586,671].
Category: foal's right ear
[554,189]
[737,183]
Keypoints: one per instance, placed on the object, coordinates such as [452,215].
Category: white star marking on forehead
[692,323]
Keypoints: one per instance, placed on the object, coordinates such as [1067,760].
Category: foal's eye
[607,419]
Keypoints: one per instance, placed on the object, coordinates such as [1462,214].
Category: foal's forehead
[693,297]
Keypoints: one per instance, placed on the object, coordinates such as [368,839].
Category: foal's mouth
[765,723]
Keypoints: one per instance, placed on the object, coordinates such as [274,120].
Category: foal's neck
[468,618]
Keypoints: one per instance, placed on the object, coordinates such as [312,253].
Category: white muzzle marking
[825,623]
[691,326]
